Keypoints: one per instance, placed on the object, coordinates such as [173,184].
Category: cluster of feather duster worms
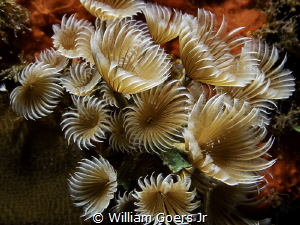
[211,108]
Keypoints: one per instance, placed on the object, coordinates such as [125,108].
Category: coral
[14,22]
[283,14]
[12,17]
[284,120]
[13,72]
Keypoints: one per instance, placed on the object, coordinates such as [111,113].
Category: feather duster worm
[83,45]
[110,9]
[282,82]
[223,134]
[201,182]
[81,79]
[250,94]
[251,91]
[206,56]
[65,35]
[162,195]
[37,96]
[3,87]
[223,201]
[158,117]
[125,203]
[88,123]
[93,185]
[127,59]
[118,140]
[53,58]
[109,95]
[163,26]
[222,138]
[271,82]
